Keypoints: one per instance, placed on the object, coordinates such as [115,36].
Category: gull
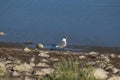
[2,33]
[62,43]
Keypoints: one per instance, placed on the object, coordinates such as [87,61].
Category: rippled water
[84,22]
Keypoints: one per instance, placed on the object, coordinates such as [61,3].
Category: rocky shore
[33,64]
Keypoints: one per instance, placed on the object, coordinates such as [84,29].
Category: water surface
[84,22]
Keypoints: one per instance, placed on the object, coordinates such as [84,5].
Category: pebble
[39,73]
[26,49]
[115,70]
[94,54]
[42,65]
[40,46]
[82,57]
[32,59]
[54,59]
[48,70]
[2,69]
[44,60]
[114,78]
[22,67]
[112,55]
[100,74]
[15,73]
[118,56]
[43,55]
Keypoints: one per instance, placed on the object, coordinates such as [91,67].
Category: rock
[39,73]
[32,64]
[42,65]
[17,61]
[100,74]
[8,62]
[44,60]
[26,49]
[2,69]
[29,78]
[43,55]
[105,58]
[115,70]
[32,59]
[48,70]
[112,55]
[109,67]
[66,53]
[22,67]
[54,59]
[114,78]
[9,66]
[40,46]
[82,57]
[15,73]
[94,54]
[118,56]
[101,64]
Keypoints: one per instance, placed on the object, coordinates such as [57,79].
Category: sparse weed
[70,69]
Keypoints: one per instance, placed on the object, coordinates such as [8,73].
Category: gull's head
[2,33]
[64,38]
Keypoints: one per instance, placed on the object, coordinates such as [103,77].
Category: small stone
[109,67]
[2,69]
[29,78]
[40,46]
[44,60]
[42,65]
[93,54]
[114,78]
[82,57]
[48,70]
[115,70]
[15,73]
[102,55]
[54,59]
[66,53]
[118,56]
[8,62]
[105,58]
[43,55]
[101,64]
[100,74]
[40,73]
[26,49]
[17,61]
[22,67]
[112,55]
[32,59]
[32,64]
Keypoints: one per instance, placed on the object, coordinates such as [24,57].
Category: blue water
[84,22]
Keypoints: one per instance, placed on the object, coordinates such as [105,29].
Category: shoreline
[68,47]
[32,64]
